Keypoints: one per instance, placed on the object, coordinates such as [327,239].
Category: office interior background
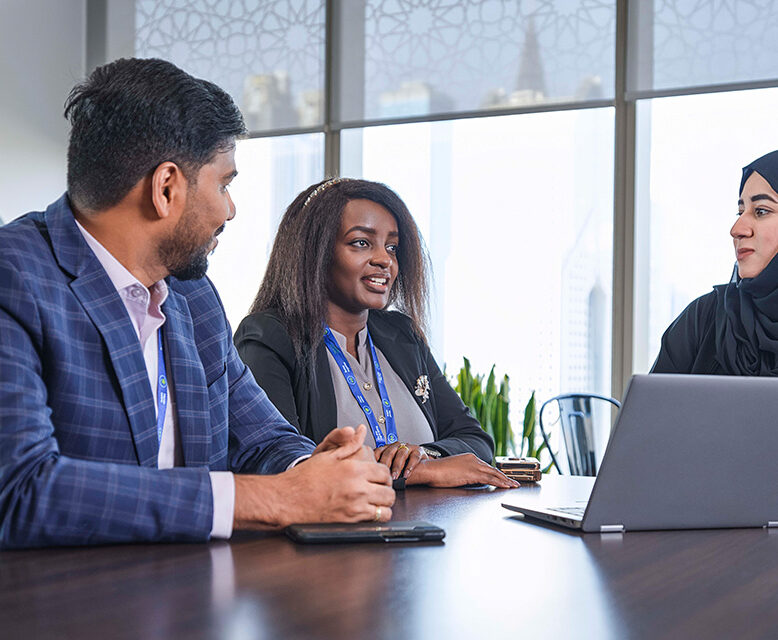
[572,164]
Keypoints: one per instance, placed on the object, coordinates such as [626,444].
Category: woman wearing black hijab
[734,329]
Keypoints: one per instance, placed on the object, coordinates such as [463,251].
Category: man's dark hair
[298,271]
[131,115]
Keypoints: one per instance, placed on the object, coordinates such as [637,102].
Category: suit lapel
[102,303]
[188,380]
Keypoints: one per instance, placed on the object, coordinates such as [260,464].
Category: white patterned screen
[416,57]
[680,43]
[268,54]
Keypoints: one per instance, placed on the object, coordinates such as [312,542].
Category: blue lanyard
[161,387]
[348,374]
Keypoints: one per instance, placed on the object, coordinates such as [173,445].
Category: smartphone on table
[520,469]
[414,531]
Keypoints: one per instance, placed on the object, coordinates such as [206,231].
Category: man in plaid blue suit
[125,412]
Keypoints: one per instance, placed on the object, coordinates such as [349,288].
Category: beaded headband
[323,187]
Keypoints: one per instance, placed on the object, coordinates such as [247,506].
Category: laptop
[686,452]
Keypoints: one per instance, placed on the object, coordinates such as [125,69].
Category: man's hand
[351,440]
[400,457]
[336,484]
[455,471]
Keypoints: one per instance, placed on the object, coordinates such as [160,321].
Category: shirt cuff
[223,489]
[300,459]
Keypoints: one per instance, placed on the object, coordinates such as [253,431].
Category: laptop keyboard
[573,511]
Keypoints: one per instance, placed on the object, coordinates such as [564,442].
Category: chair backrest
[577,426]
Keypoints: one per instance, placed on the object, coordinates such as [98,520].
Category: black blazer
[308,401]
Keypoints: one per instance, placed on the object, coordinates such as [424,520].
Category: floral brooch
[422,388]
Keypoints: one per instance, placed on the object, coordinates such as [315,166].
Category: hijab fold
[747,308]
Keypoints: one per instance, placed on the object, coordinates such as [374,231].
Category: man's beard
[194,269]
[180,253]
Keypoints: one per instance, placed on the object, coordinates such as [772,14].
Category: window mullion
[623,214]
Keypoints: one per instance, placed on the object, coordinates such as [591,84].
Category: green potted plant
[490,404]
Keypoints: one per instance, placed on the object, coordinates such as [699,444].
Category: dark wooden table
[495,576]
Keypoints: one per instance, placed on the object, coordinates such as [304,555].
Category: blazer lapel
[102,303]
[322,407]
[188,380]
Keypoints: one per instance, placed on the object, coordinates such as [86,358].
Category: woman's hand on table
[455,471]
[401,458]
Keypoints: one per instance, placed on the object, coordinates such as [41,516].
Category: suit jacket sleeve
[261,439]
[271,445]
[265,347]
[50,499]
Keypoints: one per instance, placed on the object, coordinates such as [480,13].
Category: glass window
[691,150]
[420,57]
[271,172]
[683,43]
[517,214]
[268,55]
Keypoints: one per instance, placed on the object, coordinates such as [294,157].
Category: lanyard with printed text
[348,374]
[161,387]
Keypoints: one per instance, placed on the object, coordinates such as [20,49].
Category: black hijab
[747,308]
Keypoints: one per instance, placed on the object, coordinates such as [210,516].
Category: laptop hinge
[611,528]
[772,523]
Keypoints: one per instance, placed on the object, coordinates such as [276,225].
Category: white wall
[42,55]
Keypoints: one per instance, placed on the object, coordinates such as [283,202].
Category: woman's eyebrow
[370,230]
[358,227]
[763,196]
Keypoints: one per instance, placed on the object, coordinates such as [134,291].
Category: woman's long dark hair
[298,272]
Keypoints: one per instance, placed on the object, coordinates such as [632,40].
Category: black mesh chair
[577,425]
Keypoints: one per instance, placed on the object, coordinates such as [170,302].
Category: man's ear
[168,190]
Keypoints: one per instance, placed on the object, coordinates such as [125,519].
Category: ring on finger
[402,445]
[377,514]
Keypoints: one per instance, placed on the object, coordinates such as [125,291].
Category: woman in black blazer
[322,345]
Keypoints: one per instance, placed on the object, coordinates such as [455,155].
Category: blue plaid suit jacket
[78,442]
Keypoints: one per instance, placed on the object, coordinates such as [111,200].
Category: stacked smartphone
[519,469]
